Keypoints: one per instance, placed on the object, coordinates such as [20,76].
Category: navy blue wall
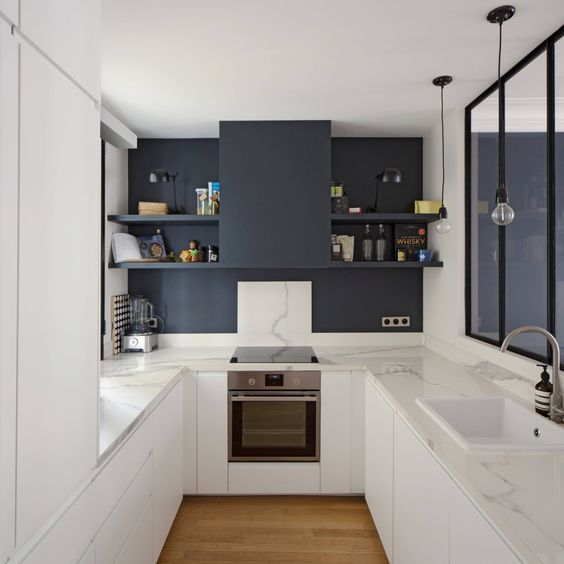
[205,301]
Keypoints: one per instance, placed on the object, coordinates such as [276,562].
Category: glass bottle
[381,243]
[367,244]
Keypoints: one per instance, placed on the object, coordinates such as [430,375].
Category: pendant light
[443,226]
[503,213]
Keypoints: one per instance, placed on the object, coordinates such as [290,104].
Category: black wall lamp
[503,213]
[159,175]
[443,226]
[387,175]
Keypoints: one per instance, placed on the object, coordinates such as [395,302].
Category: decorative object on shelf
[347,244]
[424,206]
[159,175]
[357,209]
[424,255]
[443,226]
[125,248]
[336,249]
[152,208]
[339,198]
[120,316]
[152,246]
[212,253]
[202,201]
[193,253]
[367,244]
[409,239]
[388,175]
[381,244]
[503,213]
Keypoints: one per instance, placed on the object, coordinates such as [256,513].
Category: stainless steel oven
[274,416]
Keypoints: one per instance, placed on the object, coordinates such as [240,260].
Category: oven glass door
[268,426]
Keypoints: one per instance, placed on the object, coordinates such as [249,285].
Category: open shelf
[163,265]
[184,219]
[371,218]
[386,264]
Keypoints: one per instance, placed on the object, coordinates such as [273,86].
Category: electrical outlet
[398,321]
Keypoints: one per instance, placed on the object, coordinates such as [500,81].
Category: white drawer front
[120,523]
[274,478]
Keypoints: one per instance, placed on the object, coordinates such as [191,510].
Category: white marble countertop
[520,494]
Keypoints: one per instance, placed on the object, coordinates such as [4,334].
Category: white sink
[493,424]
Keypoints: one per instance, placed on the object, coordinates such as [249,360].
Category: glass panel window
[559,186]
[484,251]
[526,247]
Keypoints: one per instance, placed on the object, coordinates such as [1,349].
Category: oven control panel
[260,380]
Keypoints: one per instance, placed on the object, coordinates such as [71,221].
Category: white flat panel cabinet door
[358,429]
[379,465]
[420,502]
[68,32]
[58,331]
[89,557]
[138,548]
[472,539]
[9,9]
[190,433]
[167,457]
[9,53]
[335,452]
[212,432]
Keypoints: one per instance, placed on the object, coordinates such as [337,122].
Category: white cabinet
[335,452]
[89,557]
[68,32]
[58,326]
[138,546]
[421,487]
[122,520]
[472,539]
[379,464]
[8,282]
[358,426]
[212,433]
[190,433]
[9,9]
[167,458]
[342,432]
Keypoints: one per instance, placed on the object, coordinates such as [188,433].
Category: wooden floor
[273,529]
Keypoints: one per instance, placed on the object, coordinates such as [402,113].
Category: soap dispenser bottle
[543,391]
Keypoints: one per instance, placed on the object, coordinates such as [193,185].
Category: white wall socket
[399,321]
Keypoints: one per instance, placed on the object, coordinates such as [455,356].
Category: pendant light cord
[443,145]
[501,111]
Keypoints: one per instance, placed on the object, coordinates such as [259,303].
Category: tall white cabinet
[58,320]
[49,282]
[9,56]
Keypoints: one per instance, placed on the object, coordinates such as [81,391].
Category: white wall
[116,203]
[443,302]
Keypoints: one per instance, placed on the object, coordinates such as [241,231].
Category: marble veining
[521,494]
[281,309]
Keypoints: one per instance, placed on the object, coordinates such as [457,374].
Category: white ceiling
[175,68]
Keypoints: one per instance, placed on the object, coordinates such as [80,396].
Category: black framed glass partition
[515,274]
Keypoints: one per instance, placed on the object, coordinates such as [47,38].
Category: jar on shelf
[202,201]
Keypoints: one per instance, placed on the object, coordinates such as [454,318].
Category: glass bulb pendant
[443,226]
[503,213]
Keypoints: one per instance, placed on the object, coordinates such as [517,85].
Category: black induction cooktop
[274,355]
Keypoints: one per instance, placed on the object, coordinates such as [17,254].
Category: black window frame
[547,46]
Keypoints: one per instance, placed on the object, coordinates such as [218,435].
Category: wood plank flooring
[279,529]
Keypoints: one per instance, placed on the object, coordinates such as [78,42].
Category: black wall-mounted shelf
[168,220]
[387,264]
[217,265]
[163,265]
[371,218]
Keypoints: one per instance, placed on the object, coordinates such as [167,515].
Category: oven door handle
[273,398]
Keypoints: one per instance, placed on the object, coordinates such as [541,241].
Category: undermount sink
[493,424]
